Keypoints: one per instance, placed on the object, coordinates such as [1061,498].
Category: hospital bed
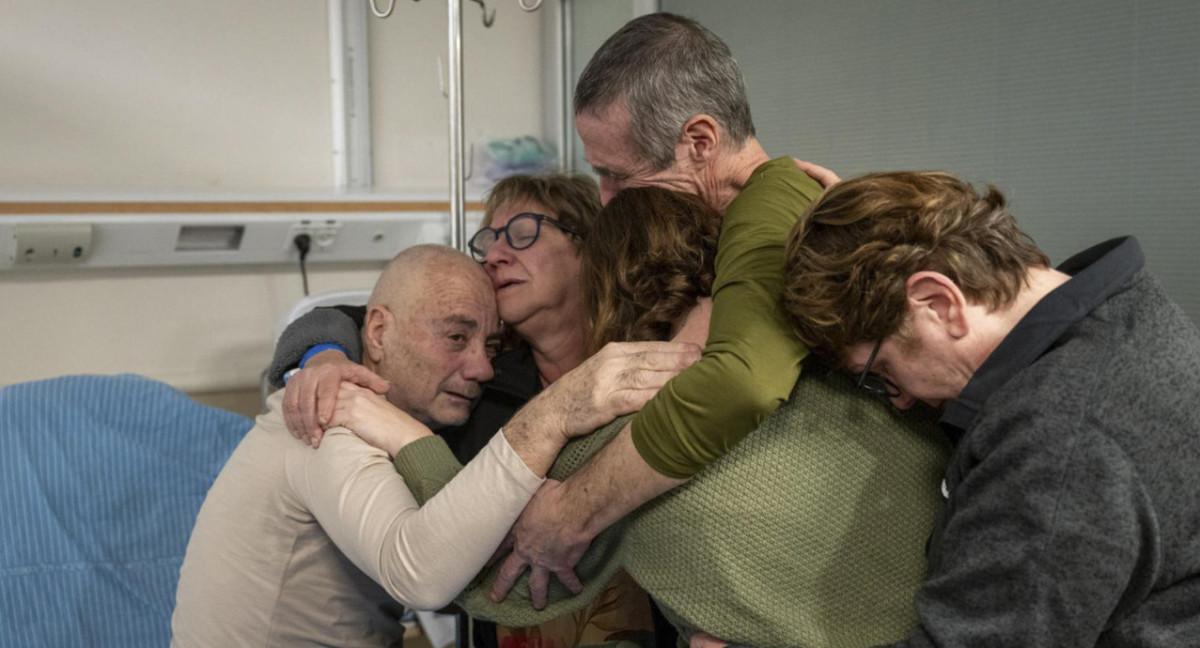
[101,478]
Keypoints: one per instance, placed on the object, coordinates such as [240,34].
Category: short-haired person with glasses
[1070,394]
[529,246]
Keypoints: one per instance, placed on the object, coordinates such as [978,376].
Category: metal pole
[337,81]
[566,78]
[350,81]
[458,215]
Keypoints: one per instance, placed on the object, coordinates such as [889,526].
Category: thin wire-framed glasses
[521,232]
[875,383]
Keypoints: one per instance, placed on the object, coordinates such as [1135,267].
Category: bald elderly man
[296,546]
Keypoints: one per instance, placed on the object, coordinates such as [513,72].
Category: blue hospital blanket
[101,478]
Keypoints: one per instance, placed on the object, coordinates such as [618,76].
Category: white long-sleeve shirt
[296,546]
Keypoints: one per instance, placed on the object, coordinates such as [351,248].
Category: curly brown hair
[647,261]
[849,257]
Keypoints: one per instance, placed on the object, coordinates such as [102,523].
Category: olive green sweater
[751,358]
[811,532]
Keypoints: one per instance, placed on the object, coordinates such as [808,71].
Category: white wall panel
[1083,112]
[161,100]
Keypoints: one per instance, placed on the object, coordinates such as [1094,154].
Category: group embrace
[720,398]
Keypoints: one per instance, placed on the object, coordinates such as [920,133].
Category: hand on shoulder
[375,420]
[311,394]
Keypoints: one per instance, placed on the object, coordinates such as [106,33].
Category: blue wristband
[317,349]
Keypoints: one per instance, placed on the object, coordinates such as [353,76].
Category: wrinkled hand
[823,176]
[542,544]
[705,640]
[311,393]
[375,420]
[618,380]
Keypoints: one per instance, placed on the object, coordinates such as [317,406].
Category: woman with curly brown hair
[650,263]
[809,532]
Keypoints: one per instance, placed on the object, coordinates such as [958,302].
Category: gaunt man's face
[607,148]
[443,351]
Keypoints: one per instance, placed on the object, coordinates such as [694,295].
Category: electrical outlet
[324,234]
[52,244]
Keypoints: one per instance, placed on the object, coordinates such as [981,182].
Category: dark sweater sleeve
[1050,534]
[340,325]
[426,465]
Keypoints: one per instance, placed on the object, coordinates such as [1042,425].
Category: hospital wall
[1083,112]
[129,100]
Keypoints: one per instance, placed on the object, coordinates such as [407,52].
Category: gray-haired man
[663,103]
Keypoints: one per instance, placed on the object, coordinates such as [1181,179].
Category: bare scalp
[422,272]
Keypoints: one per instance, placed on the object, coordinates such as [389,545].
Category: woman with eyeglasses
[529,244]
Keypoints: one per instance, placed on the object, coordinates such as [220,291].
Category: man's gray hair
[667,69]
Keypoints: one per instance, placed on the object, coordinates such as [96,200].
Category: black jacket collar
[1096,274]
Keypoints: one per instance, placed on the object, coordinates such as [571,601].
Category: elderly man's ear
[376,329]
[934,300]
[700,138]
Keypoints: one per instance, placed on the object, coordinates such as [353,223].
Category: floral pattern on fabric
[621,613]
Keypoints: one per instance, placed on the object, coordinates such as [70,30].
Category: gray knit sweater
[1073,516]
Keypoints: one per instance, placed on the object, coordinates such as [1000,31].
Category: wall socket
[52,243]
[324,234]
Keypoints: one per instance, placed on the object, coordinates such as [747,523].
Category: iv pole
[458,190]
[458,214]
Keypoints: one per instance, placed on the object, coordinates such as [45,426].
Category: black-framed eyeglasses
[875,383]
[521,232]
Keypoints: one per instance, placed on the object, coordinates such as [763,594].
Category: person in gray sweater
[1071,395]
